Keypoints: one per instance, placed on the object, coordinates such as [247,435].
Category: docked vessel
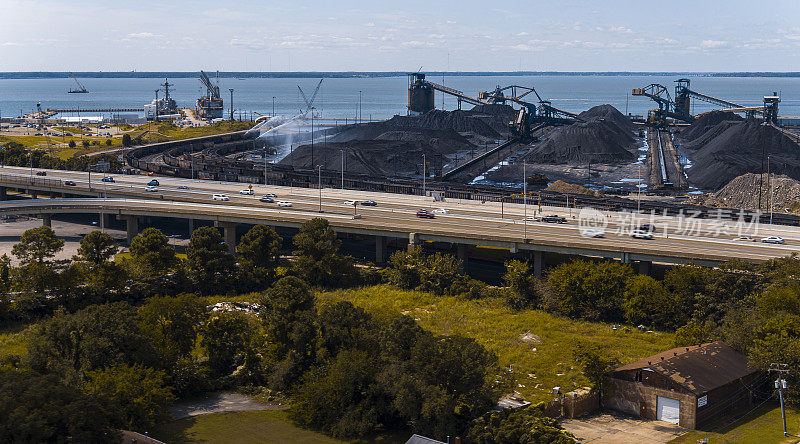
[210,105]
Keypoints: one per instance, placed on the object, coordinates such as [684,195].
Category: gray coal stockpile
[743,192]
[736,149]
[605,136]
[707,121]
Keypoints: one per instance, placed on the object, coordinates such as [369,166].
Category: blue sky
[616,35]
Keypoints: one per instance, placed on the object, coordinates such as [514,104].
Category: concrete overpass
[468,222]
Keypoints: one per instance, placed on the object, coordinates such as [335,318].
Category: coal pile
[596,141]
[608,112]
[706,122]
[737,149]
[743,192]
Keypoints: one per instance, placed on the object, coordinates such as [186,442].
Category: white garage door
[669,410]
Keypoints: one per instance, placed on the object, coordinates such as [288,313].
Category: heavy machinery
[210,105]
[531,116]
[680,108]
[309,102]
[81,89]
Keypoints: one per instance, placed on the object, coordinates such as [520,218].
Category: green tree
[778,340]
[41,408]
[227,339]
[595,364]
[696,332]
[521,285]
[108,142]
[34,250]
[86,144]
[210,264]
[648,302]
[442,275]
[151,254]
[72,144]
[141,392]
[126,140]
[343,326]
[94,263]
[526,426]
[174,322]
[405,268]
[590,290]
[259,254]
[96,248]
[318,261]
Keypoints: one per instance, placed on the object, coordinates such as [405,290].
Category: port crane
[81,89]
[310,102]
[679,109]
[531,116]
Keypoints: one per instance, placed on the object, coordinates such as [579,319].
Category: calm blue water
[384,97]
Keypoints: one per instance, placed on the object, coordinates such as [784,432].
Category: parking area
[613,428]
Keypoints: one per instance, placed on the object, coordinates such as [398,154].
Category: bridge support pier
[538,261]
[229,233]
[47,220]
[191,226]
[413,241]
[644,267]
[34,194]
[463,257]
[132,228]
[3,193]
[380,249]
[626,258]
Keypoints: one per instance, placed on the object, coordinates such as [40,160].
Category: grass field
[264,426]
[13,340]
[538,367]
[763,426]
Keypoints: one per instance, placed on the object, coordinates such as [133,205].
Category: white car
[283,203]
[441,211]
[593,233]
[642,234]
[151,189]
[223,197]
[773,240]
[350,202]
[247,192]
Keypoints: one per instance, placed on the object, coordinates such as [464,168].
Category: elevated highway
[709,242]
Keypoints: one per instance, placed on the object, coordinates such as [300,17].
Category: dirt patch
[615,428]
[219,403]
[560,186]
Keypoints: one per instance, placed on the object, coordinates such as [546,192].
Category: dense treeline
[114,341]
[17,154]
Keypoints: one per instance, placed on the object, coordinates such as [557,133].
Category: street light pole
[319,185]
[342,168]
[424,173]
[312,136]
[360,115]
[525,200]
[231,90]
[273,106]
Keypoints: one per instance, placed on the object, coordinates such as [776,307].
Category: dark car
[369,203]
[108,179]
[650,228]
[41,173]
[554,219]
[425,214]
[267,199]
[69,183]
[153,183]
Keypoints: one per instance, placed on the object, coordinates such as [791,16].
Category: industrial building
[688,386]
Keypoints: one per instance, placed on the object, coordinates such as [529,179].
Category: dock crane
[536,115]
[81,89]
[310,102]
[210,105]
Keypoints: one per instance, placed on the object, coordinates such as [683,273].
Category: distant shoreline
[372,74]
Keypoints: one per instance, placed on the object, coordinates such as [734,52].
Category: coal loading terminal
[498,139]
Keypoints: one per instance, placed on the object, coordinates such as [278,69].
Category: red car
[425,214]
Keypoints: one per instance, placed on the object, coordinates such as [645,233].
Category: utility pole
[312,136]
[342,168]
[319,185]
[525,199]
[360,115]
[771,202]
[273,106]
[780,384]
[231,90]
[423,174]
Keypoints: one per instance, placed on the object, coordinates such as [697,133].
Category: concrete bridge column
[626,258]
[47,220]
[132,228]
[229,233]
[538,261]
[102,221]
[191,226]
[3,193]
[644,267]
[413,241]
[34,194]
[461,253]
[380,249]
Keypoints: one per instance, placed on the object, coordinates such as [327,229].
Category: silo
[420,94]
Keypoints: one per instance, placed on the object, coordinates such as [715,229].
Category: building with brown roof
[687,386]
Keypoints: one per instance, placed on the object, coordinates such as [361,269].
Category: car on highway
[223,197]
[267,199]
[425,214]
[41,173]
[369,203]
[247,192]
[554,219]
[773,240]
[151,189]
[745,239]
[272,195]
[593,233]
[153,183]
[642,234]
[69,183]
[350,202]
[283,203]
[441,211]
[647,227]
[108,179]
[183,187]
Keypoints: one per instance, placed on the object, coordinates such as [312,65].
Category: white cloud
[713,44]
[370,25]
[140,35]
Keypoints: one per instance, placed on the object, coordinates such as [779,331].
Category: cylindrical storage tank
[420,95]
